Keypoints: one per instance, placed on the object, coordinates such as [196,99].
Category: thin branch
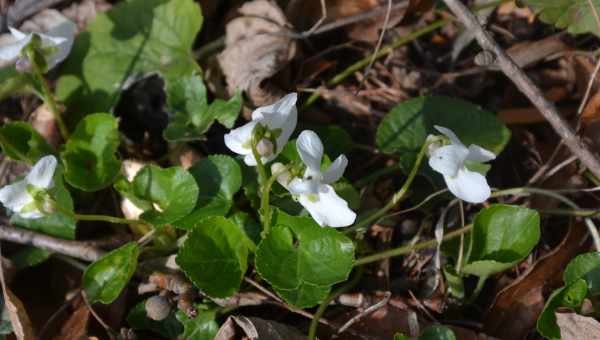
[76,249]
[513,72]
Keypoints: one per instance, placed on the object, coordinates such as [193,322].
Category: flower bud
[157,308]
[264,147]
[22,65]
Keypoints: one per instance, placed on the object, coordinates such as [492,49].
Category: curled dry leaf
[257,46]
[19,318]
[77,324]
[577,327]
[237,327]
[82,12]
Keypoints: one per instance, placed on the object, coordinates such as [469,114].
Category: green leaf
[202,327]
[437,332]
[56,224]
[15,83]
[502,236]
[214,256]
[133,39]
[587,267]
[169,328]
[405,128]
[302,260]
[193,116]
[219,178]
[167,194]
[90,156]
[574,15]
[29,257]
[454,281]
[569,296]
[21,142]
[249,226]
[104,279]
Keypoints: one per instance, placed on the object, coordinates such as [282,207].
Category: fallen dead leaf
[257,48]
[577,327]
[256,328]
[19,318]
[76,325]
[517,306]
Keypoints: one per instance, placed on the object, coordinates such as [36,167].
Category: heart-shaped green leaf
[218,177]
[59,223]
[502,236]
[165,195]
[89,156]
[214,256]
[104,279]
[569,296]
[575,15]
[587,267]
[407,125]
[128,42]
[22,142]
[437,332]
[193,116]
[302,260]
[201,327]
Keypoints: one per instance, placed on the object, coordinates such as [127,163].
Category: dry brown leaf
[19,318]
[256,328]
[516,307]
[76,326]
[256,48]
[82,12]
[577,327]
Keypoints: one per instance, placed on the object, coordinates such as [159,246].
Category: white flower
[314,191]
[279,120]
[19,196]
[61,38]
[449,160]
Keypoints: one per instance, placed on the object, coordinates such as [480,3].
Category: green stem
[104,218]
[265,183]
[478,289]
[412,247]
[462,238]
[314,323]
[396,197]
[49,97]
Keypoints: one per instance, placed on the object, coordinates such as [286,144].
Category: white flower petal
[12,50]
[469,186]
[298,186]
[276,114]
[479,154]
[310,150]
[448,133]
[33,214]
[336,170]
[15,196]
[42,172]
[287,129]
[61,36]
[328,210]
[18,35]
[448,159]
[238,140]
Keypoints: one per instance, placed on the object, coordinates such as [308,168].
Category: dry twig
[76,249]
[533,93]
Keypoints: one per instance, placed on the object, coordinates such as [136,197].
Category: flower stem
[396,197]
[49,97]
[314,323]
[411,247]
[265,184]
[104,218]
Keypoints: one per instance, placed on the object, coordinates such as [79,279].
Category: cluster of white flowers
[313,190]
